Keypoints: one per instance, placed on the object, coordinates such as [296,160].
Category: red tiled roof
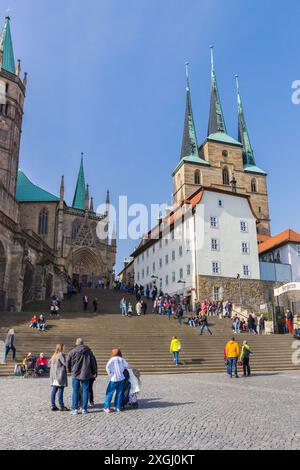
[262,238]
[288,236]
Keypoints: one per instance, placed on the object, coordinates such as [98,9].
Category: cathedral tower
[12,95]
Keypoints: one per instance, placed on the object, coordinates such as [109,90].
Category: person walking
[123,307]
[81,363]
[85,302]
[139,308]
[232,352]
[115,369]
[58,378]
[9,345]
[204,325]
[262,325]
[130,310]
[290,321]
[179,314]
[175,348]
[95,305]
[245,358]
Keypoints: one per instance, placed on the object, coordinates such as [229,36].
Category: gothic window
[75,228]
[197,177]
[253,186]
[225,176]
[43,222]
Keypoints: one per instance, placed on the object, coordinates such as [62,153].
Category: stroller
[29,367]
[131,389]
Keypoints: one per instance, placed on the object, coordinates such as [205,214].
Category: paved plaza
[187,412]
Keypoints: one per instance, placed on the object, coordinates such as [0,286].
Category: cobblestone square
[189,412]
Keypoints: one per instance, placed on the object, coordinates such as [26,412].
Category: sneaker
[85,412]
[74,412]
[54,408]
[118,410]
[106,410]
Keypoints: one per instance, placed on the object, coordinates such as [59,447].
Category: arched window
[253,186]
[75,228]
[226,176]
[197,177]
[43,222]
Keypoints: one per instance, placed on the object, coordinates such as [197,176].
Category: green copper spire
[6,46]
[216,119]
[248,154]
[189,141]
[80,192]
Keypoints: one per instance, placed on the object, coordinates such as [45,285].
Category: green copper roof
[8,60]
[254,169]
[79,196]
[29,192]
[189,140]
[222,137]
[248,154]
[216,117]
[193,159]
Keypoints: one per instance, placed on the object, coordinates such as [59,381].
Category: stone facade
[219,156]
[249,293]
[36,264]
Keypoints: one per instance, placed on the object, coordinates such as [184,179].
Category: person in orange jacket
[231,353]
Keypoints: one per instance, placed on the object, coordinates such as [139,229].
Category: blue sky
[106,77]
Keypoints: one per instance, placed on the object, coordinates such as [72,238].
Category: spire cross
[237,82]
[8,10]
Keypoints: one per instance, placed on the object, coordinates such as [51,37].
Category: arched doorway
[28,282]
[2,277]
[85,268]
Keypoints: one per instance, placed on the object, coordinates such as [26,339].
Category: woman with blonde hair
[115,369]
[58,377]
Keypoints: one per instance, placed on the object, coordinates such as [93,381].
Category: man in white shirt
[115,369]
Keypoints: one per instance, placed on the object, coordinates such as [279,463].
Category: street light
[238,276]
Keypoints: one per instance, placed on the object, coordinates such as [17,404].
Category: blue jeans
[85,393]
[123,311]
[180,320]
[111,389]
[176,357]
[203,327]
[7,349]
[232,364]
[60,391]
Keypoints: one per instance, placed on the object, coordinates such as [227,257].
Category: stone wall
[250,293]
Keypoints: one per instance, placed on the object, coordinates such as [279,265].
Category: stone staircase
[144,340]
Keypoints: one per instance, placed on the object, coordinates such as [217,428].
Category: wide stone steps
[144,340]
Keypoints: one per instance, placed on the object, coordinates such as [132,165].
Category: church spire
[216,118]
[189,141]
[6,48]
[248,154]
[79,196]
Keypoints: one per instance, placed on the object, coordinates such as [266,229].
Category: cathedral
[44,243]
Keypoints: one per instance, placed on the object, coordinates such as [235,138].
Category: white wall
[234,210]
[288,255]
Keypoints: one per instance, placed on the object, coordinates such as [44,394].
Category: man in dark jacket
[81,363]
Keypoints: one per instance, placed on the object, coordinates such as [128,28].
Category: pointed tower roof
[79,196]
[189,141]
[216,118]
[190,147]
[6,46]
[244,138]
